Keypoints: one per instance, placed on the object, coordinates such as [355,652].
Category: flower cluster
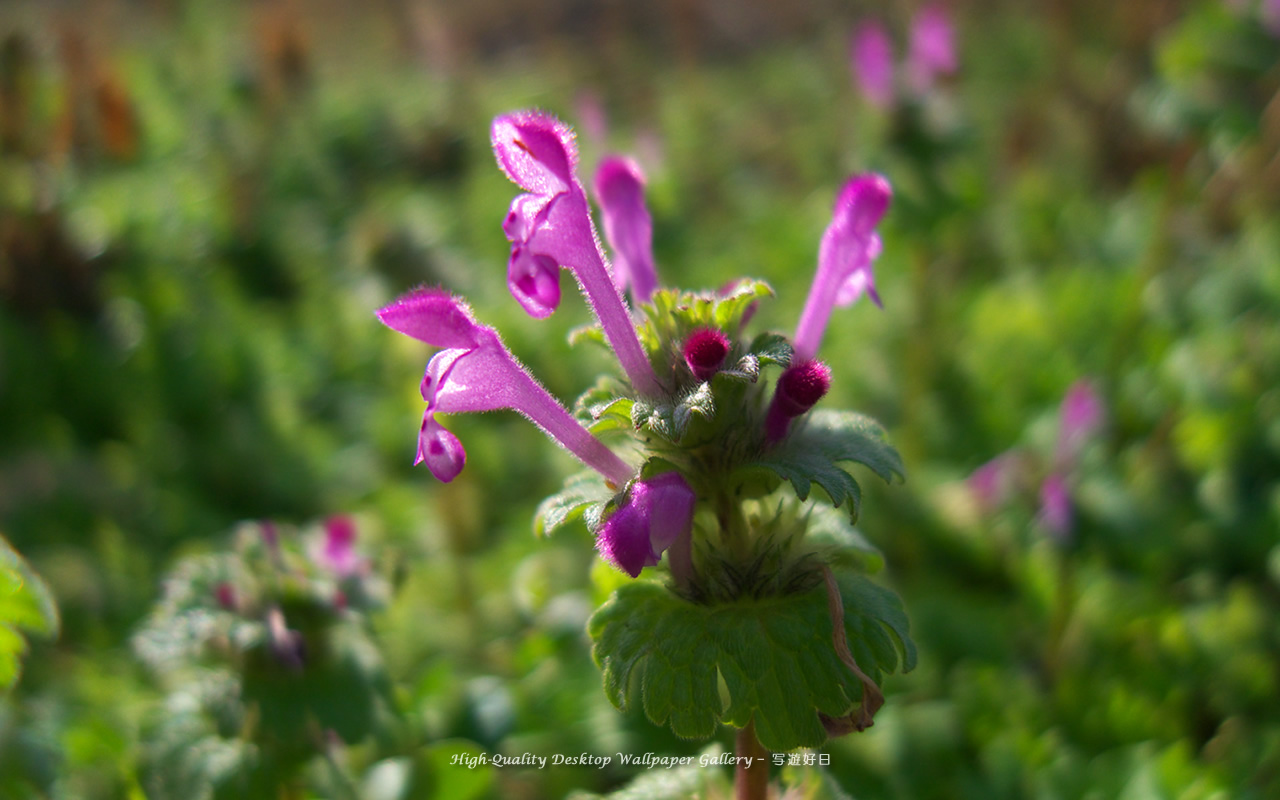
[1079,418]
[692,398]
[931,53]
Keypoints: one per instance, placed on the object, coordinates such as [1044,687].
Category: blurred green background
[202,204]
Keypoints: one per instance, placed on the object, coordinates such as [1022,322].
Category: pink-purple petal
[535,150]
[432,316]
[534,281]
[628,226]
[443,453]
[655,514]
[871,57]
[932,51]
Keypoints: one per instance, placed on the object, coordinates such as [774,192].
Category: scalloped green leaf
[26,604]
[812,452]
[584,496]
[776,657]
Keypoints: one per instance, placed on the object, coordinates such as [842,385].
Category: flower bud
[705,351]
[799,388]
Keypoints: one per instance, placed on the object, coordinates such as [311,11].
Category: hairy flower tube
[551,226]
[475,372]
[628,227]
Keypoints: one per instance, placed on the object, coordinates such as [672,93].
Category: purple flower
[551,226]
[655,514]
[705,351]
[932,51]
[992,483]
[849,246]
[799,388]
[871,58]
[1055,506]
[338,553]
[591,115]
[1079,418]
[475,372]
[619,186]
[1270,15]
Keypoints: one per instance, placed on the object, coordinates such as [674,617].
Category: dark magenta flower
[654,515]
[705,351]
[475,372]
[551,226]
[992,483]
[932,51]
[628,227]
[871,59]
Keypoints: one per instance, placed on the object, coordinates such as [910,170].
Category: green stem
[751,769]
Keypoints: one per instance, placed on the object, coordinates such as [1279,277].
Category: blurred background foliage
[201,204]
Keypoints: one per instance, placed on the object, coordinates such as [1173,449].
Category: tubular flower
[628,227]
[932,51]
[1055,506]
[848,247]
[1079,417]
[871,59]
[551,226]
[475,372]
[656,514]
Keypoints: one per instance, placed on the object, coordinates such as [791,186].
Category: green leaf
[26,604]
[700,401]
[776,657]
[772,348]
[847,547]
[728,311]
[812,452]
[581,494]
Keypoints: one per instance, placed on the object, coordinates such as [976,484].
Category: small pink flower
[1079,418]
[628,227]
[849,246]
[475,372]
[337,553]
[992,483]
[1055,506]
[551,226]
[871,58]
[932,51]
[655,514]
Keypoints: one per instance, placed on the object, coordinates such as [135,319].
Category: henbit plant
[768,622]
